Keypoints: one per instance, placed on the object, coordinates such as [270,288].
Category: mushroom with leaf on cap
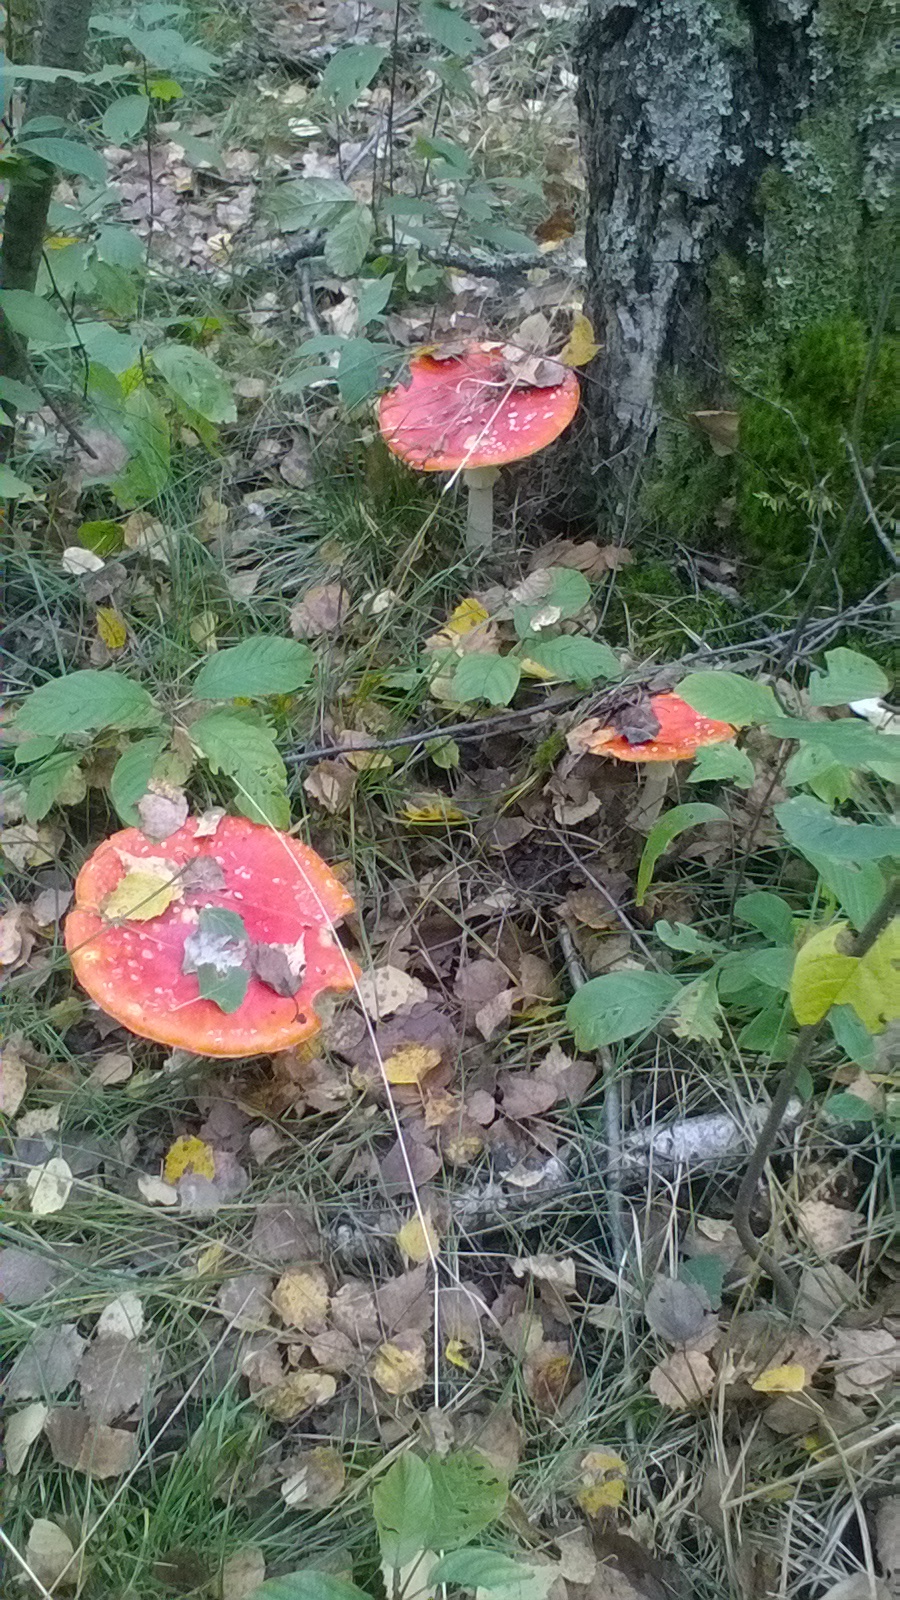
[475,407]
[216,940]
[665,729]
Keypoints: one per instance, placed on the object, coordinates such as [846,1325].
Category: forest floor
[257,1283]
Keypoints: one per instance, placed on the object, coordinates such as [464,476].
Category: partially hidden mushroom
[216,940]
[674,732]
[477,407]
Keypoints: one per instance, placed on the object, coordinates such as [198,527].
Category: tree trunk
[63,39]
[688,107]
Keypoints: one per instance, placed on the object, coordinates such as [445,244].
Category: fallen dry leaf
[549,1373]
[89,1447]
[682,1380]
[313,1478]
[602,1474]
[13,1081]
[242,1573]
[332,784]
[21,1430]
[399,1366]
[145,892]
[162,810]
[384,990]
[114,1374]
[418,1240]
[49,1186]
[829,1228]
[721,429]
[189,1155]
[25,1276]
[113,1067]
[49,1551]
[411,1064]
[678,1312]
[301,1298]
[788,1379]
[321,610]
[246,1301]
[867,1359]
[299,1392]
[123,1316]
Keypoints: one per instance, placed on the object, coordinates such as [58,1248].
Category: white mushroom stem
[480,515]
[651,797]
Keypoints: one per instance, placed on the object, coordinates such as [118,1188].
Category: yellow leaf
[209,1260]
[721,428]
[111,627]
[188,1154]
[301,1298]
[780,1380]
[400,1371]
[60,241]
[411,1064]
[299,1392]
[581,346]
[437,810]
[419,1241]
[603,1481]
[824,976]
[469,614]
[533,669]
[598,1495]
[455,1353]
[369,760]
[144,892]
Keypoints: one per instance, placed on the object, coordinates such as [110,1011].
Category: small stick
[806,1039]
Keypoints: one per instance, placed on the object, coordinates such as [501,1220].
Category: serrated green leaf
[727,697]
[347,241]
[403,1507]
[722,763]
[850,676]
[349,72]
[69,156]
[477,1569]
[468,1496]
[33,318]
[131,775]
[46,782]
[665,831]
[308,203]
[83,701]
[146,430]
[237,744]
[125,118]
[196,380]
[619,1005]
[258,666]
[358,373]
[479,676]
[769,1032]
[574,659]
[450,29]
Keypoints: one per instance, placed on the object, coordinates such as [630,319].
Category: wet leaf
[189,1154]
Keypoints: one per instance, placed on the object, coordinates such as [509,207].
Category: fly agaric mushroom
[477,407]
[216,940]
[679,734]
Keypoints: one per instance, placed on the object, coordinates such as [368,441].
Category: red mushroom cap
[682,732]
[132,967]
[471,410]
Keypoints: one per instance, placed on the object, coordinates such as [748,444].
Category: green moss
[653,608]
[812,209]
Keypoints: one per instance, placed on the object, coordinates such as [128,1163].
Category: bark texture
[62,44]
[684,104]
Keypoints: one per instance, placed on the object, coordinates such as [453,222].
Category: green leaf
[857,890]
[665,830]
[809,826]
[568,592]
[34,750]
[125,118]
[12,487]
[403,1507]
[727,697]
[722,763]
[107,347]
[196,380]
[444,753]
[849,741]
[374,294]
[769,1032]
[308,203]
[358,372]
[708,1273]
[46,781]
[767,912]
[120,247]
[237,744]
[131,775]
[82,701]
[848,1108]
[21,395]
[146,431]
[69,156]
[850,676]
[618,1005]
[226,989]
[450,29]
[256,667]
[696,1013]
[817,770]
[772,966]
[349,72]
[347,241]
[450,159]
[679,936]
[309,1585]
[477,1569]
[35,319]
[479,676]
[468,1496]
[852,1036]
[104,536]
[574,659]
